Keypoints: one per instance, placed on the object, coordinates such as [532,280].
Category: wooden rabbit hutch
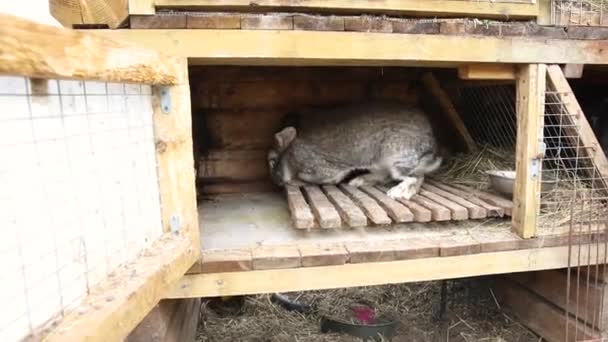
[201,118]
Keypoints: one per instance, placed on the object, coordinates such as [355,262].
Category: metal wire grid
[574,192]
[79,192]
[489,113]
[579,12]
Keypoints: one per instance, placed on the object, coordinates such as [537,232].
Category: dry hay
[472,315]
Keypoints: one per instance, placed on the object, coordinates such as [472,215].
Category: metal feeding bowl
[503,181]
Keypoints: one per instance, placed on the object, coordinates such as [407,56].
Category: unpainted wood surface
[487,72]
[225,260]
[93,12]
[397,211]
[350,213]
[172,320]
[458,212]
[371,208]
[475,212]
[491,198]
[269,257]
[326,214]
[438,212]
[421,214]
[491,210]
[323,254]
[300,211]
[24,50]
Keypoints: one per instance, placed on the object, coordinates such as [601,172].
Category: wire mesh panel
[579,12]
[79,192]
[574,200]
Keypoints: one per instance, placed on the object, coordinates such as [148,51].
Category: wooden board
[438,212]
[421,214]
[457,211]
[394,209]
[327,216]
[172,320]
[350,213]
[300,211]
[530,109]
[323,255]
[271,257]
[373,211]
[491,198]
[491,210]
[539,315]
[487,72]
[215,261]
[401,7]
[23,52]
[475,211]
[273,47]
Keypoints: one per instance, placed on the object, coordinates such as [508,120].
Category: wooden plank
[91,12]
[492,241]
[370,251]
[434,88]
[552,286]
[573,70]
[267,22]
[457,211]
[587,137]
[238,187]
[487,72]
[401,7]
[492,210]
[458,245]
[324,211]
[141,7]
[223,260]
[213,21]
[491,198]
[530,108]
[273,257]
[421,214]
[318,23]
[537,314]
[172,320]
[350,213]
[415,248]
[22,53]
[475,211]
[159,21]
[370,207]
[438,212]
[268,47]
[392,272]
[301,215]
[323,254]
[135,289]
[233,165]
[366,23]
[397,211]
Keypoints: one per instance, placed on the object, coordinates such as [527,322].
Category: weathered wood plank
[438,212]
[491,210]
[213,21]
[172,320]
[370,207]
[491,198]
[222,260]
[369,251]
[458,245]
[394,209]
[324,211]
[350,213]
[22,53]
[159,21]
[421,214]
[301,215]
[318,23]
[475,211]
[323,254]
[540,316]
[367,24]
[434,88]
[267,22]
[457,211]
[273,257]
[531,86]
[487,72]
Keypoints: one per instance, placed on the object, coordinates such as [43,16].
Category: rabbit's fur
[389,141]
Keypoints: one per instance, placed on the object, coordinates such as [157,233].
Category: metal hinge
[535,163]
[165,100]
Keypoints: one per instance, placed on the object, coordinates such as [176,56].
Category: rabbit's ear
[284,138]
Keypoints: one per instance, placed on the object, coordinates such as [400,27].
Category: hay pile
[472,315]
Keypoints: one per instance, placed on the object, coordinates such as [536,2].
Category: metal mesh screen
[579,12]
[79,192]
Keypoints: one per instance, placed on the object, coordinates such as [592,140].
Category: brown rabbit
[388,141]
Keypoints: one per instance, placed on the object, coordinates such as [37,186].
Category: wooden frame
[502,9]
[368,274]
[251,47]
[25,51]
[531,87]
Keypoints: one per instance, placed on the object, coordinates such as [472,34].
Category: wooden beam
[119,303]
[530,109]
[41,51]
[573,70]
[172,320]
[255,47]
[109,12]
[577,119]
[436,8]
[487,72]
[368,274]
[141,7]
[174,156]
[434,88]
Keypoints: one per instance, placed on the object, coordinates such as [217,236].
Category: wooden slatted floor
[345,206]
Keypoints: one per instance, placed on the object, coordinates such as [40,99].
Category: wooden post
[531,82]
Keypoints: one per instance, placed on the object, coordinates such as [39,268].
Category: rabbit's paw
[357,182]
[404,190]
